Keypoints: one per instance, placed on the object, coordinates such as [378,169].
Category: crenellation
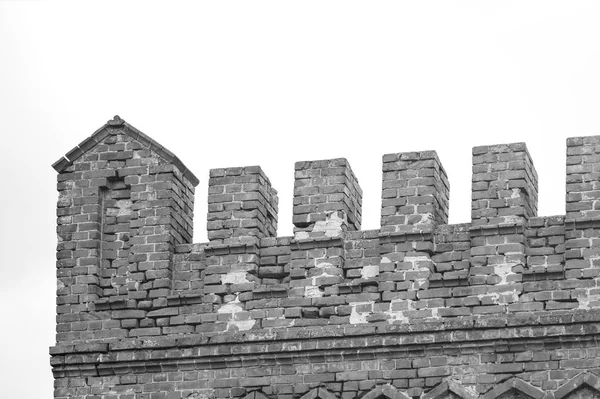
[583,168]
[327,198]
[415,193]
[505,184]
[506,305]
[504,196]
[241,203]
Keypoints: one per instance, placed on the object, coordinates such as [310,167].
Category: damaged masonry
[506,306]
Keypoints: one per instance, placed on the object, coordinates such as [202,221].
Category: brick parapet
[379,278]
[136,300]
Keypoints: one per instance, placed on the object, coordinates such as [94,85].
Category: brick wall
[507,306]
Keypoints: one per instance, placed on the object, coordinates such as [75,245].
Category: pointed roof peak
[117,123]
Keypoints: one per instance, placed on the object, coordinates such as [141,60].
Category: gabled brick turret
[124,203]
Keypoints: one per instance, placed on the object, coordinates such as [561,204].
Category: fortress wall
[507,304]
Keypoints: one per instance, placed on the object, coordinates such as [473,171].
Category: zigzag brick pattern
[506,306]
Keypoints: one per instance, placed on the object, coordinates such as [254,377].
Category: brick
[507,301]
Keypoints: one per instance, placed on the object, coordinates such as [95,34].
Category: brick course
[506,306]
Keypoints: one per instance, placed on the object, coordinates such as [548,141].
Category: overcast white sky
[235,83]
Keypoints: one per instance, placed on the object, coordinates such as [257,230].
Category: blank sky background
[233,83]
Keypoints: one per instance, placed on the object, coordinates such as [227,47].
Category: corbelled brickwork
[506,306]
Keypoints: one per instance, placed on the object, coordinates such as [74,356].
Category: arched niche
[385,391]
[450,390]
[583,386]
[321,393]
[514,388]
[256,395]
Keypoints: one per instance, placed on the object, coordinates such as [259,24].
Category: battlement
[128,273]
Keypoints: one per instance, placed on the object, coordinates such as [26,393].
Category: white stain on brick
[149,343]
[65,198]
[493,297]
[123,207]
[472,391]
[234,309]
[202,394]
[503,298]
[369,271]
[511,219]
[427,217]
[504,270]
[419,264]
[301,235]
[237,277]
[312,291]
[591,300]
[397,309]
[290,322]
[357,317]
[332,225]
[131,282]
[261,335]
